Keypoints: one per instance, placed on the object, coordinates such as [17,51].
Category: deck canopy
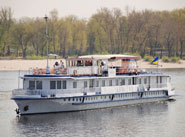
[111,56]
[127,58]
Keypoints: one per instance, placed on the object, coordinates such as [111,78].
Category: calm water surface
[165,119]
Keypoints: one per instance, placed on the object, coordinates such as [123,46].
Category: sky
[83,8]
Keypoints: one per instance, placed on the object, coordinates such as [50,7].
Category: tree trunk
[181,49]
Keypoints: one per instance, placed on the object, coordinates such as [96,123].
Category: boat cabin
[98,65]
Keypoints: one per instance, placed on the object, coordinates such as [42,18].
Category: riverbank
[162,65]
[14,65]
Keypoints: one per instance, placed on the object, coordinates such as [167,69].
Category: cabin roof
[76,59]
[111,56]
[91,77]
[131,57]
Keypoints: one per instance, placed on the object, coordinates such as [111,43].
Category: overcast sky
[83,8]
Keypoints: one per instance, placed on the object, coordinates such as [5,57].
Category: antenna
[46,19]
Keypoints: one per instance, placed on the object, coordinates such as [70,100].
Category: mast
[47,67]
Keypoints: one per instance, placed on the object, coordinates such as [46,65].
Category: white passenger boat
[90,82]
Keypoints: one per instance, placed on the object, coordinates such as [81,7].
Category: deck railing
[22,92]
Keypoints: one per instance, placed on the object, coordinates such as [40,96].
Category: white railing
[119,89]
[21,92]
[152,86]
[88,91]
[161,85]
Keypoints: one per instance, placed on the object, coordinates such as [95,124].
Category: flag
[155,61]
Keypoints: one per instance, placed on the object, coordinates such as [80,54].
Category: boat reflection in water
[119,121]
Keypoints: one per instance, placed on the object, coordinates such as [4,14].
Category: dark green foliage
[151,33]
[166,59]
[183,57]
[175,59]
[148,58]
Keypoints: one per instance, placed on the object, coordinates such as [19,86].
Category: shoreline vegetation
[107,31]
[25,65]
[145,33]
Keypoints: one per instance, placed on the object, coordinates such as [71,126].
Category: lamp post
[47,68]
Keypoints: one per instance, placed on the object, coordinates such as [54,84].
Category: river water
[164,119]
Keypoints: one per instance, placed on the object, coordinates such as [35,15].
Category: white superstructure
[90,82]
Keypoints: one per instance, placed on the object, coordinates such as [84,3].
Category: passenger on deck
[61,64]
[62,68]
[56,65]
[59,68]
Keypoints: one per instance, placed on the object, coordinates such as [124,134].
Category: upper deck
[94,65]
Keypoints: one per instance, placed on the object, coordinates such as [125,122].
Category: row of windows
[103,83]
[128,95]
[53,85]
[58,84]
[35,85]
[63,84]
[92,83]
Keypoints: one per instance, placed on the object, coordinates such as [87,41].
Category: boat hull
[54,105]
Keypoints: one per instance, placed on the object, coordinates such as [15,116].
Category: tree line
[147,32]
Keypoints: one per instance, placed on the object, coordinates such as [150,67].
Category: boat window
[134,80]
[160,79]
[79,63]
[58,84]
[129,81]
[74,84]
[110,82]
[73,63]
[157,79]
[64,84]
[103,83]
[97,83]
[91,83]
[39,84]
[85,84]
[123,82]
[52,84]
[88,63]
[140,81]
[117,82]
[69,63]
[145,81]
[31,84]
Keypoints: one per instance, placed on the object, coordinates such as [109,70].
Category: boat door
[157,81]
[99,62]
[149,80]
[134,81]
